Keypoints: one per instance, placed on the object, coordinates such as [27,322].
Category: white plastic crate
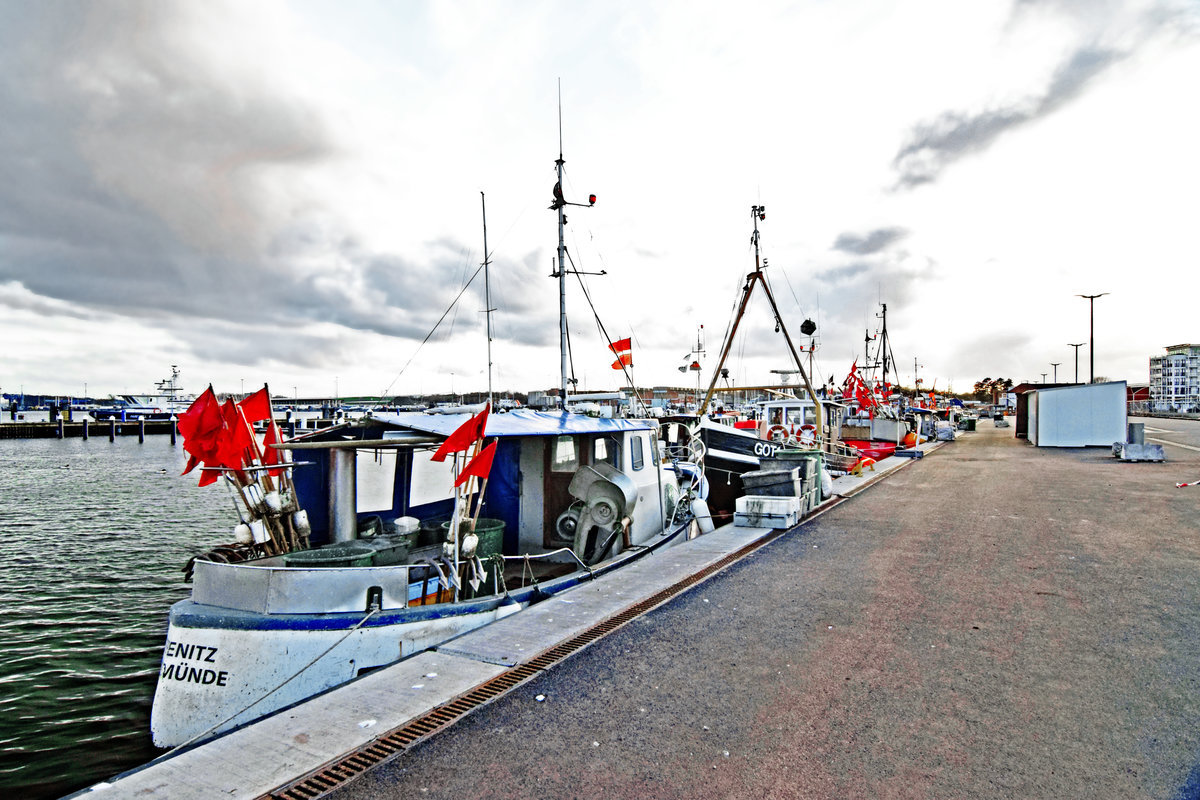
[756,511]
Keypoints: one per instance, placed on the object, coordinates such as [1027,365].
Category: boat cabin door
[561,458]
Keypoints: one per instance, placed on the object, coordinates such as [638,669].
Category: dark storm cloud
[932,146]
[144,173]
[873,242]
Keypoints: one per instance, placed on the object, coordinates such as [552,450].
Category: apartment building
[1175,379]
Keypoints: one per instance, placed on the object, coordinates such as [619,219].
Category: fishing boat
[730,448]
[168,400]
[569,498]
[876,426]
[365,543]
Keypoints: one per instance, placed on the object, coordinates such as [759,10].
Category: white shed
[1086,415]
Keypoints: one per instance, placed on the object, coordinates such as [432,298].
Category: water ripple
[90,561]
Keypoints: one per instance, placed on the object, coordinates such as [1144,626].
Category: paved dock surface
[994,620]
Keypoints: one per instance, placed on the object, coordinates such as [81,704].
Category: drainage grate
[351,765]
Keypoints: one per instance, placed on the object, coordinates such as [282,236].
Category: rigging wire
[433,330]
[600,325]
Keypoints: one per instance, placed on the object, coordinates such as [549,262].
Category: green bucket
[490,533]
[340,554]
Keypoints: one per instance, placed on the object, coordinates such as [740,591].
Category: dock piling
[112,430]
[142,430]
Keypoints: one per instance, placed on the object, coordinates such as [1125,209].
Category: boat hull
[728,453]
[222,668]
[871,449]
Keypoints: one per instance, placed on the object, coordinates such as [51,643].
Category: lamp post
[1091,298]
[1055,365]
[1076,346]
[1043,377]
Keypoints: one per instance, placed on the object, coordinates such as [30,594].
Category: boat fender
[254,497]
[242,534]
[826,484]
[703,516]
[300,524]
[258,531]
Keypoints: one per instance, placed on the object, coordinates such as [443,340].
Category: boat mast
[760,213]
[558,205]
[884,345]
[487,295]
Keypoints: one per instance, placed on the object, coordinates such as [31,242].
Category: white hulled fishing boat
[366,547]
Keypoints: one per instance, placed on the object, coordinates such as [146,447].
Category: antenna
[487,294]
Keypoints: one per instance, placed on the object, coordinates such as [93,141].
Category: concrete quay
[993,621]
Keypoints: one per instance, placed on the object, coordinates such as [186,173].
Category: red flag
[624,351]
[272,456]
[851,383]
[201,426]
[466,435]
[257,406]
[480,465]
[236,440]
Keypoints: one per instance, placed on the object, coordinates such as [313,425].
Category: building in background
[1175,379]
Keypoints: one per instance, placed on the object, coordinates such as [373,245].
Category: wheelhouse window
[375,479]
[566,454]
[607,450]
[635,452]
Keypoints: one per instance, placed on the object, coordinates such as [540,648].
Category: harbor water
[93,538]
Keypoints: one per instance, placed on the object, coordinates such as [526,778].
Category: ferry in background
[168,401]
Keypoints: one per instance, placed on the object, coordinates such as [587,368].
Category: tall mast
[558,205]
[884,345]
[562,262]
[487,294]
[562,281]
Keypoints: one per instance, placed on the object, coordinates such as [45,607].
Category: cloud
[16,297]
[154,169]
[873,242]
[935,145]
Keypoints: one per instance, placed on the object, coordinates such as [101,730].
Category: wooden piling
[112,430]
[142,430]
[85,429]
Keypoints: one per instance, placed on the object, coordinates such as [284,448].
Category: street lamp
[1043,377]
[1076,346]
[1055,365]
[1091,298]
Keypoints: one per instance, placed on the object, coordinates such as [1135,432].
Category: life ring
[808,435]
[777,433]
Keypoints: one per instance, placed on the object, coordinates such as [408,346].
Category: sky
[291,193]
